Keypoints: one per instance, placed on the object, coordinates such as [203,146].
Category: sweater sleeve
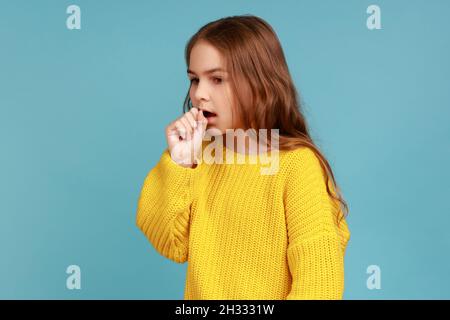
[164,207]
[316,242]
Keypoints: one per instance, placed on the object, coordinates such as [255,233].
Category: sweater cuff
[317,268]
[173,169]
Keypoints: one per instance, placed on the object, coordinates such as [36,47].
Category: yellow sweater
[246,235]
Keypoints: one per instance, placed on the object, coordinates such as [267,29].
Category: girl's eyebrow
[207,71]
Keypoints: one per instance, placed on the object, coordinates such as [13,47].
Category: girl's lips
[211,119]
[209,116]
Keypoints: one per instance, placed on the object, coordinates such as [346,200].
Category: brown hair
[266,97]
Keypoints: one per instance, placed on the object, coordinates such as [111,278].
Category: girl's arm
[164,207]
[316,242]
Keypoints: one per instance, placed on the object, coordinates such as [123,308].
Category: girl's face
[210,86]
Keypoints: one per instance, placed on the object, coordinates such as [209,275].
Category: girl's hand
[184,137]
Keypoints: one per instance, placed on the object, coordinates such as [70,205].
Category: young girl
[245,235]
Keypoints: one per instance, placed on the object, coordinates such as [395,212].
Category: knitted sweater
[246,235]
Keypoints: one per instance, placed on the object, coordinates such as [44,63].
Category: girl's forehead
[207,71]
[206,55]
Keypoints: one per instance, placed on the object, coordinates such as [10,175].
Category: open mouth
[208,114]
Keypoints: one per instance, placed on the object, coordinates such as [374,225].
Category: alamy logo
[74,20]
[74,279]
[374,280]
[374,20]
[257,149]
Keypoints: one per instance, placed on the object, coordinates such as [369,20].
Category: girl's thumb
[202,120]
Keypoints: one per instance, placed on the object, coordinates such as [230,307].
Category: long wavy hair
[266,97]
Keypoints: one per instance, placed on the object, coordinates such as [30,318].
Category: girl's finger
[173,136]
[202,121]
[188,127]
[181,129]
[194,112]
[201,116]
[190,117]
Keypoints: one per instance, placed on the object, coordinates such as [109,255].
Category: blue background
[83,112]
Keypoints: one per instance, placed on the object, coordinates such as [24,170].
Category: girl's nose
[201,93]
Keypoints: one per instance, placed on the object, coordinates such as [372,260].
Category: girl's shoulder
[299,160]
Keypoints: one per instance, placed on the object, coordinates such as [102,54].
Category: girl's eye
[215,80]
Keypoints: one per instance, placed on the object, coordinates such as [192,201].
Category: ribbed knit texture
[246,235]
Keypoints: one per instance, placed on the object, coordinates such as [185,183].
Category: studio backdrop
[88,87]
